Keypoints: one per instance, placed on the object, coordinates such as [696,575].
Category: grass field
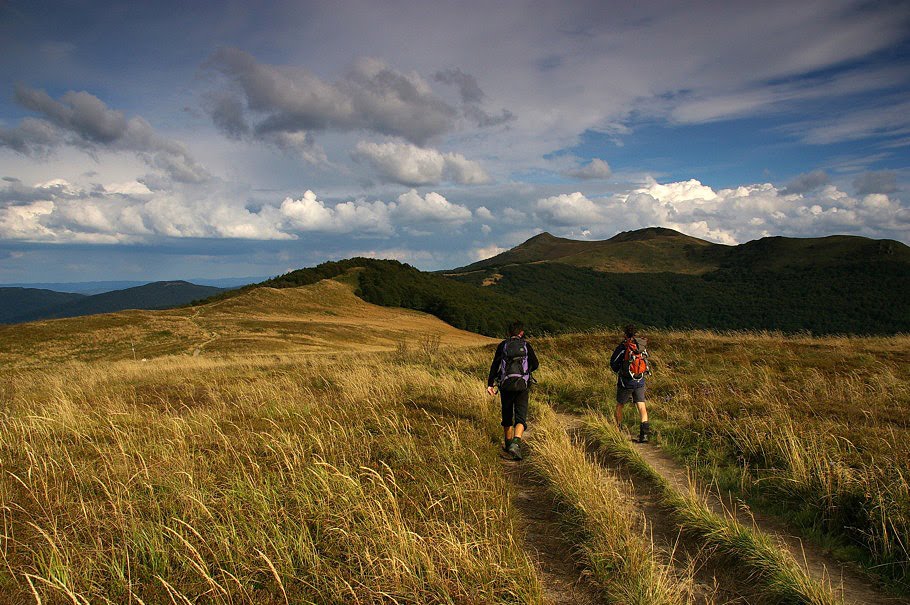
[301,446]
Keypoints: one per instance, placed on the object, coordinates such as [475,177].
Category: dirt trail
[543,540]
[854,587]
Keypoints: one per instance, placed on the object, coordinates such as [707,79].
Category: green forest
[871,298]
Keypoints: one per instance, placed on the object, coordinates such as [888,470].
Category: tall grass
[755,554]
[814,429]
[352,480]
[600,516]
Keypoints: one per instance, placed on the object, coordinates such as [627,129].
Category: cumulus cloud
[130,212]
[728,215]
[595,169]
[411,165]
[568,210]
[432,207]
[82,120]
[486,252]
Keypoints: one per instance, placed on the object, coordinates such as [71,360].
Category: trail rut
[854,587]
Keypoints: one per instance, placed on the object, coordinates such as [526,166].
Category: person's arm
[532,359]
[616,359]
[494,367]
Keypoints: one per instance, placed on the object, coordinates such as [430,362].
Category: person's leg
[622,398]
[507,415]
[521,421]
[644,429]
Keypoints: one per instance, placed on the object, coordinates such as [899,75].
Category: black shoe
[643,432]
[505,446]
[515,449]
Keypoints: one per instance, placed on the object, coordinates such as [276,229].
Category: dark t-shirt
[624,382]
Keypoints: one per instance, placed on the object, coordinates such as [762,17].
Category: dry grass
[599,514]
[813,428]
[230,481]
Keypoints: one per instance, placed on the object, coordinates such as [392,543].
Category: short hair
[629,330]
[515,328]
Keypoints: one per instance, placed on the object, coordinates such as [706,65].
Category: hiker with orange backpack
[629,361]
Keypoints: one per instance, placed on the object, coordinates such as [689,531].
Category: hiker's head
[630,331]
[516,328]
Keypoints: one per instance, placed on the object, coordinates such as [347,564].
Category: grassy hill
[316,318]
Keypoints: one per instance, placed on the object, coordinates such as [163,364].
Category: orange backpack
[634,362]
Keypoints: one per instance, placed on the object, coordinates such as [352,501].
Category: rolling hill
[321,317]
[18,303]
[21,307]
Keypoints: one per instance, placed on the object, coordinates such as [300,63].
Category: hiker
[511,371]
[628,361]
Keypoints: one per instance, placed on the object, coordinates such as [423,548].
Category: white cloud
[486,252]
[411,165]
[432,207]
[568,209]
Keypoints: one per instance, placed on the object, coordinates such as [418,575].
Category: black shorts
[637,395]
[514,407]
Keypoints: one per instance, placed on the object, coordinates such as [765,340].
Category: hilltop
[315,318]
[656,249]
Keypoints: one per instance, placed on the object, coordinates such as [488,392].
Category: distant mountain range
[99,287]
[29,304]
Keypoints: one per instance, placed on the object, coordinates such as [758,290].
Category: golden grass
[322,317]
[815,428]
[237,481]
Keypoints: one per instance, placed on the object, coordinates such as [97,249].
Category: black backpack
[513,369]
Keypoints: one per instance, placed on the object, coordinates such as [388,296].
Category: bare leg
[519,430]
[618,414]
[508,432]
[642,411]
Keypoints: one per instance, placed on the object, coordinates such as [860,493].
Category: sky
[173,140]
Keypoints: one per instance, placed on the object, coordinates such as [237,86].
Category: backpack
[513,369]
[634,363]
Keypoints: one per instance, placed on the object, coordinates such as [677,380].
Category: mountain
[156,295]
[648,250]
[655,250]
[18,302]
[662,278]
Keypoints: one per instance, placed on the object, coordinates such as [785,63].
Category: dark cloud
[82,120]
[227,114]
[371,96]
[875,182]
[467,84]
[805,183]
[471,98]
[11,179]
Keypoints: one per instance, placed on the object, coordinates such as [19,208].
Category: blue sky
[169,140]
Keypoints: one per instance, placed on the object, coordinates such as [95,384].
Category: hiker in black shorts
[628,361]
[511,371]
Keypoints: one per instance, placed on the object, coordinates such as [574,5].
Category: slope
[15,303]
[325,316]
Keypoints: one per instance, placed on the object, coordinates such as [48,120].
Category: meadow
[301,446]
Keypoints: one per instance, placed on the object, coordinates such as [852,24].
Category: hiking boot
[643,432]
[505,446]
[515,449]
